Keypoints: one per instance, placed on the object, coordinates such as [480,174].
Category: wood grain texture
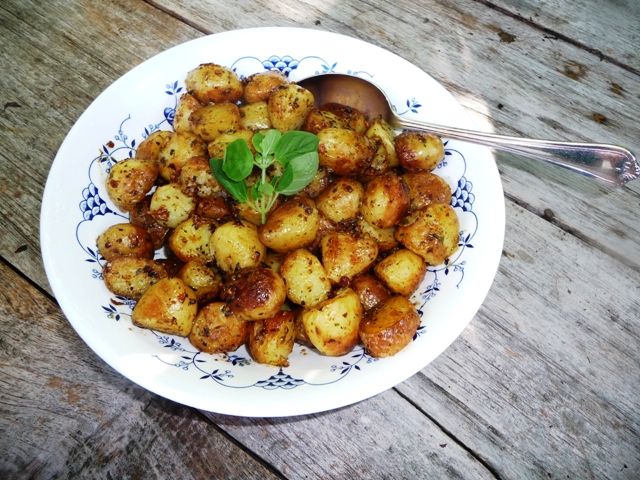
[64,413]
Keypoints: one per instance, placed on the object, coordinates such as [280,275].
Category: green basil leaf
[238,160]
[266,189]
[238,190]
[304,169]
[255,191]
[269,142]
[294,144]
[257,140]
[286,179]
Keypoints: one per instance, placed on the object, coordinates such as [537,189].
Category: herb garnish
[295,151]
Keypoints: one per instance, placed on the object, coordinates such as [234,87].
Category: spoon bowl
[610,164]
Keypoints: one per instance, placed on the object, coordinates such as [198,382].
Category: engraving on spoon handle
[609,163]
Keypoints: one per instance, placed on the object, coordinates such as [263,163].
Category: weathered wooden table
[544,382]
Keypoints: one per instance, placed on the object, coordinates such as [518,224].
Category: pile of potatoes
[332,266]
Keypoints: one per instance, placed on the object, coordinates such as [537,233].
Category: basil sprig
[295,151]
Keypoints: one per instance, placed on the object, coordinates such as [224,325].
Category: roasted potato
[214,207]
[204,280]
[217,330]
[345,255]
[432,232]
[178,148]
[386,201]
[273,260]
[318,120]
[140,216]
[350,117]
[271,340]
[320,181]
[129,182]
[426,188]
[419,151]
[401,271]
[381,131]
[389,326]
[254,293]
[305,278]
[214,83]
[125,239]
[333,325]
[168,306]
[235,245]
[130,277]
[218,146]
[341,200]
[344,152]
[187,104]
[258,87]
[255,116]
[384,237]
[190,240]
[197,179]
[214,120]
[289,106]
[370,290]
[292,225]
[150,147]
[169,206]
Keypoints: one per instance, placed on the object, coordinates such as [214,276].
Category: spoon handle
[609,163]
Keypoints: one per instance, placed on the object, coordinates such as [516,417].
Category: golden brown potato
[204,280]
[305,278]
[150,147]
[385,237]
[197,179]
[186,106]
[301,336]
[271,340]
[370,290]
[274,260]
[176,151]
[332,326]
[345,256]
[389,327]
[190,240]
[214,207]
[318,120]
[255,116]
[124,239]
[254,293]
[386,201]
[219,145]
[169,206]
[292,225]
[214,120]
[426,188]
[418,151]
[217,330]
[401,271]
[235,245]
[259,86]
[344,152]
[289,106]
[129,182]
[320,181]
[168,306]
[214,83]
[382,132]
[432,232]
[140,216]
[130,277]
[351,117]
[247,212]
[341,200]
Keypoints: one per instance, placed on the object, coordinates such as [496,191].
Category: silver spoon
[608,163]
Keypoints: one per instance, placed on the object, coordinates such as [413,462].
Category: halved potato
[332,326]
[271,340]
[345,255]
[168,306]
[254,293]
[401,271]
[389,327]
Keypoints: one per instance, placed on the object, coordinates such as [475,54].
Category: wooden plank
[64,413]
[583,22]
[543,383]
[48,89]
